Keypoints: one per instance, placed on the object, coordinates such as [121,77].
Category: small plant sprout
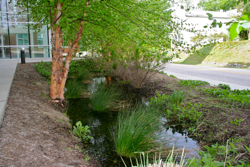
[86,158]
[236,121]
[81,131]
[173,76]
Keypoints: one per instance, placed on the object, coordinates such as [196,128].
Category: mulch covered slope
[34,132]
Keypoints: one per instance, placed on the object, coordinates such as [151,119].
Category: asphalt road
[236,78]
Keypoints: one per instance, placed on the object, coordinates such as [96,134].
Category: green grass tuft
[83,75]
[104,98]
[74,89]
[136,131]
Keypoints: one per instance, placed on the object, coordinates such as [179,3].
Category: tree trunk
[72,49]
[57,64]
[59,73]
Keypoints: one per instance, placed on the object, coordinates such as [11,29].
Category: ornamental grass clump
[176,98]
[104,98]
[74,89]
[83,75]
[145,161]
[136,131]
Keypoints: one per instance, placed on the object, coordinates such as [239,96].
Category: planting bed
[34,128]
[34,131]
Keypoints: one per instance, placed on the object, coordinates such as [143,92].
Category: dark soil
[34,131]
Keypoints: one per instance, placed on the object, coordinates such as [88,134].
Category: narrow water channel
[101,146]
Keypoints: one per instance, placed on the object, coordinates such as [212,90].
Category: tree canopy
[107,20]
[216,5]
[100,24]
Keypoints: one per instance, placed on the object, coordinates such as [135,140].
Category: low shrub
[83,75]
[90,64]
[135,64]
[76,66]
[136,131]
[44,68]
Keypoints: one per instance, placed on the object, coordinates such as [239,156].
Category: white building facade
[196,20]
[15,34]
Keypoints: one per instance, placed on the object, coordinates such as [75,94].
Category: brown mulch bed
[34,131]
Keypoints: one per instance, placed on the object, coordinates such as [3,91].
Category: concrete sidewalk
[7,72]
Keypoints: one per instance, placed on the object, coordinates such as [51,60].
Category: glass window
[40,39]
[39,51]
[22,39]
[5,52]
[5,39]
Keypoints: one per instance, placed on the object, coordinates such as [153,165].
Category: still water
[101,146]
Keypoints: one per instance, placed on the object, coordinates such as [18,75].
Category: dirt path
[34,132]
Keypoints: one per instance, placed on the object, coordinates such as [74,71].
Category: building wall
[16,33]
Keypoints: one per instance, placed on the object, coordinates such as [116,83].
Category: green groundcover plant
[81,131]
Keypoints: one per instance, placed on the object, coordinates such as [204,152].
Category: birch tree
[141,21]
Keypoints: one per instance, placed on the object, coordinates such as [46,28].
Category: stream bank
[34,131]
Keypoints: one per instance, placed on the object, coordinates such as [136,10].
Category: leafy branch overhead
[138,21]
[98,25]
[236,27]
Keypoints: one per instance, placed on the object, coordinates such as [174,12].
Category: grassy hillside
[225,52]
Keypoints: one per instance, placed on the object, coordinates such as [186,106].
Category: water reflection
[101,146]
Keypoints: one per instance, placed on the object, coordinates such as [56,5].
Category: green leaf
[247,148]
[235,29]
[220,24]
[210,16]
[231,144]
[245,17]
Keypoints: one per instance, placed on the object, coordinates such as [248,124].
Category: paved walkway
[7,72]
